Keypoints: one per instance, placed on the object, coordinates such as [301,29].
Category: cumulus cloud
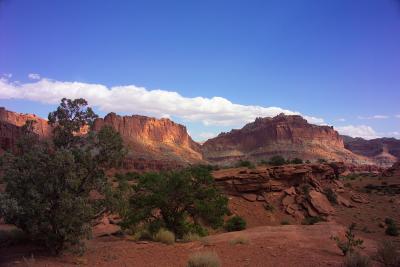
[34,76]
[363,131]
[132,99]
[341,119]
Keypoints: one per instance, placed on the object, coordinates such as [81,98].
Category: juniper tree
[48,184]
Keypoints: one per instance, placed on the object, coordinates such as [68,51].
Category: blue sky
[335,61]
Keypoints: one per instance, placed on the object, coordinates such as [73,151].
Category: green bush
[12,237]
[245,163]
[312,220]
[392,230]
[277,161]
[204,259]
[236,223]
[179,198]
[356,260]
[285,222]
[165,236]
[348,245]
[296,161]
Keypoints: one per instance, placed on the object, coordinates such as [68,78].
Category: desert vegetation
[48,183]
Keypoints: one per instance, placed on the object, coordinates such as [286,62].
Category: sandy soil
[289,245]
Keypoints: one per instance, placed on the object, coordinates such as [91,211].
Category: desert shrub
[12,237]
[236,223]
[392,230]
[312,220]
[296,161]
[204,259]
[305,188]
[356,260]
[165,236]
[277,161]
[322,161]
[308,161]
[129,176]
[269,207]
[331,195]
[348,245]
[178,198]
[245,163]
[387,254]
[239,240]
[190,237]
[389,221]
[285,222]
[48,184]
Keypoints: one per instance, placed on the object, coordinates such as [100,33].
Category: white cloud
[398,116]
[6,75]
[374,117]
[341,119]
[364,131]
[34,76]
[133,99]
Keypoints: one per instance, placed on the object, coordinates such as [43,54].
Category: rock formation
[11,124]
[383,151]
[287,135]
[153,139]
[301,188]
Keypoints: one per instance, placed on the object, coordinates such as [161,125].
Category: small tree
[177,200]
[236,223]
[296,161]
[48,185]
[277,161]
[351,243]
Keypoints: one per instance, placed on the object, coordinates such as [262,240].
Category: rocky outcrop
[383,151]
[392,171]
[287,135]
[301,187]
[11,127]
[153,139]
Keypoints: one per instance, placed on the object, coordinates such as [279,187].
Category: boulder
[291,191]
[320,203]
[342,201]
[359,198]
[249,197]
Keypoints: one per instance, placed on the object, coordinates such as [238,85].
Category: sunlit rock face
[156,139]
[287,135]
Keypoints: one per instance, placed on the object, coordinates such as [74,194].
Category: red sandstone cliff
[155,139]
[10,127]
[384,151]
[289,136]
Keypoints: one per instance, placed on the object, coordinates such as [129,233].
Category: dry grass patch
[239,240]
[388,254]
[191,237]
[355,259]
[165,236]
[204,259]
